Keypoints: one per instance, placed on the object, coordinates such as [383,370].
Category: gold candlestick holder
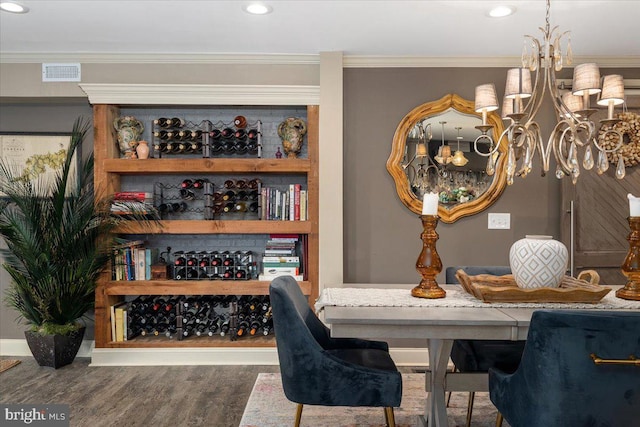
[631,265]
[428,263]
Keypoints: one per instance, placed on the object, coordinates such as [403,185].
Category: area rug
[8,363]
[268,407]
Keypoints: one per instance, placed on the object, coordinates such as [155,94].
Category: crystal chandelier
[574,134]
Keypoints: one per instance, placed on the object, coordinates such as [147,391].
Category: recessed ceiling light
[13,7]
[257,8]
[501,11]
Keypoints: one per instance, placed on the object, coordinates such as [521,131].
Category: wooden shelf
[216,227]
[199,165]
[214,341]
[192,287]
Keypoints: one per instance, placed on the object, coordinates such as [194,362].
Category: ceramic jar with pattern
[538,262]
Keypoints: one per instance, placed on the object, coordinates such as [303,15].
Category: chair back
[472,270]
[299,336]
[558,381]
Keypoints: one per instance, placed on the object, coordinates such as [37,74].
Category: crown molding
[159,58]
[165,94]
[357,61]
[350,61]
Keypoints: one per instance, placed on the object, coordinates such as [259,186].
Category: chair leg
[472,395]
[389,416]
[298,415]
[499,420]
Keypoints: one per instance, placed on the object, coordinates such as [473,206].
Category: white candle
[634,205]
[430,204]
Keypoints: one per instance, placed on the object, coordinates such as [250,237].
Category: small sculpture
[292,132]
[129,130]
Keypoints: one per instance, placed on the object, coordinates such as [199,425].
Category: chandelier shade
[486,98]
[518,83]
[612,90]
[586,79]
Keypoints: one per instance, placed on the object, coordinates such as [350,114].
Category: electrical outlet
[499,221]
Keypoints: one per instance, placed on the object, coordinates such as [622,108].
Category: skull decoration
[292,131]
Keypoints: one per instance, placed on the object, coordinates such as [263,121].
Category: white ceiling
[450,29]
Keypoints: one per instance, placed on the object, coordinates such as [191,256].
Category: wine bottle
[192,273]
[229,184]
[241,184]
[187,194]
[253,207]
[183,135]
[240,122]
[229,196]
[178,148]
[243,327]
[204,262]
[240,135]
[240,147]
[196,147]
[163,122]
[240,207]
[252,134]
[180,274]
[228,259]
[176,122]
[163,134]
[254,326]
[253,184]
[227,133]
[240,274]
[229,147]
[216,261]
[228,274]
[228,207]
[224,327]
[198,184]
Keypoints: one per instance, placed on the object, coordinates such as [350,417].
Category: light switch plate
[499,221]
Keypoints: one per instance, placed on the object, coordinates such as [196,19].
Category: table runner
[375,297]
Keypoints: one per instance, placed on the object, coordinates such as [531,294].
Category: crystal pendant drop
[587,162]
[575,173]
[559,173]
[569,52]
[525,56]
[491,168]
[603,163]
[620,169]
[573,155]
[557,56]
[511,166]
[533,63]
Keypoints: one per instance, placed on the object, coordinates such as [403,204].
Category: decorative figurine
[278,154]
[292,132]
[129,130]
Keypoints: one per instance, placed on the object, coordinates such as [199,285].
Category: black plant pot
[54,351]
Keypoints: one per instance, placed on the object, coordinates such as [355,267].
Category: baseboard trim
[192,356]
[18,347]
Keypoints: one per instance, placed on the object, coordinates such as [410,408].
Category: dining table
[388,311]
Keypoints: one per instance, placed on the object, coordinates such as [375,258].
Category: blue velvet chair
[480,355]
[319,370]
[558,383]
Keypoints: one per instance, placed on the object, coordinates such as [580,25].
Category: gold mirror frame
[394,163]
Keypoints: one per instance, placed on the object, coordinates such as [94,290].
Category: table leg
[436,406]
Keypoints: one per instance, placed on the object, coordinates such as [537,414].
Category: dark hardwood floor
[136,395]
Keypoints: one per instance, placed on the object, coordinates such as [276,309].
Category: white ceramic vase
[538,262]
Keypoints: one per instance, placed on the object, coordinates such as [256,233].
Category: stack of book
[281,258]
[283,203]
[132,261]
[128,202]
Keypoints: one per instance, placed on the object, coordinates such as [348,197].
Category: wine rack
[201,199]
[196,317]
[214,265]
[178,137]
[188,217]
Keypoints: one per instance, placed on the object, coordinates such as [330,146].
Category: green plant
[58,240]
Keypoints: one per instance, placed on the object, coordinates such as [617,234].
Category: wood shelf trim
[211,165]
[216,227]
[193,287]
[215,341]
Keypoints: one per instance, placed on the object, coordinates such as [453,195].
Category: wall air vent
[61,72]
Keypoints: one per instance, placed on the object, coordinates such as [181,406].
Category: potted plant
[58,238]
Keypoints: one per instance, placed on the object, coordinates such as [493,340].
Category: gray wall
[382,236]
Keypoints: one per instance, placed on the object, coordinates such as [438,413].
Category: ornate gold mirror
[437,148]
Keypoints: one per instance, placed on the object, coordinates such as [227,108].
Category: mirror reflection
[440,147]
[439,157]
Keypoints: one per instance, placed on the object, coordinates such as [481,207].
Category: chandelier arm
[604,134]
[534,136]
[488,138]
[558,137]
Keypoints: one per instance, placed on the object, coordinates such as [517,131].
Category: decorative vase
[54,351]
[142,149]
[128,129]
[292,132]
[538,262]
